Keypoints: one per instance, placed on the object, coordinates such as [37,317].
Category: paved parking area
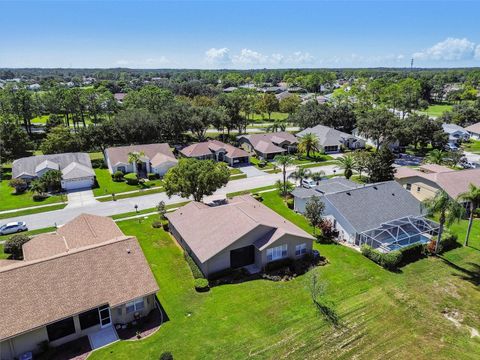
[79,198]
[408,160]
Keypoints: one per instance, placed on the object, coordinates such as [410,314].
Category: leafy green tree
[162,210]
[317,176]
[448,209]
[347,163]
[362,159]
[59,140]
[290,104]
[18,184]
[284,161]
[37,187]
[196,178]
[13,246]
[314,209]
[308,142]
[135,158]
[14,141]
[472,197]
[380,166]
[268,103]
[379,125]
[150,97]
[52,180]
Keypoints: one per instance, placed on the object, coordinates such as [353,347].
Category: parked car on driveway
[13,227]
[308,183]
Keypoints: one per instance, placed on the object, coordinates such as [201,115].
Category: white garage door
[77,184]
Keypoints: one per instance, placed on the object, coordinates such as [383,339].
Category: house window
[60,329]
[300,249]
[408,187]
[89,318]
[135,305]
[276,253]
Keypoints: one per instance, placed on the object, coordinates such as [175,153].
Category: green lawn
[142,192]
[96,155]
[472,146]
[106,185]
[437,110]
[2,254]
[383,314]
[32,211]
[264,117]
[9,201]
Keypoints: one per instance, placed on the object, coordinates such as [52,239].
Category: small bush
[412,253]
[290,203]
[262,163]
[257,197]
[39,197]
[20,185]
[201,285]
[13,246]
[117,176]
[196,272]
[152,176]
[166,356]
[448,242]
[278,264]
[157,224]
[131,178]
[98,164]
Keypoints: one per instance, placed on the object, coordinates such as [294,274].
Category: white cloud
[451,49]
[250,57]
[300,58]
[218,56]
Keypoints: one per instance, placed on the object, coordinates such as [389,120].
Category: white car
[308,183]
[13,227]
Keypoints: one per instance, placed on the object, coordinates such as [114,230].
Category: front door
[105,319]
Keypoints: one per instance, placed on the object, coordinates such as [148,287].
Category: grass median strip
[133,194]
[32,211]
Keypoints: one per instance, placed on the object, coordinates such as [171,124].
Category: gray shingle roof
[27,165]
[326,136]
[368,207]
[328,186]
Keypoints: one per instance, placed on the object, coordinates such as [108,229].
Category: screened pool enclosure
[399,233]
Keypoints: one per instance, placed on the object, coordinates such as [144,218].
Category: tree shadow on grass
[329,314]
[470,275]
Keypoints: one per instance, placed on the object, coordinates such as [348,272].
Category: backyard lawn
[106,185]
[382,314]
[472,146]
[264,117]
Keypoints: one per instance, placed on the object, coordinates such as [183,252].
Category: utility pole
[411,64]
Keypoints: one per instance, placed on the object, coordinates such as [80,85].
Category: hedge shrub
[131,178]
[98,164]
[290,203]
[152,176]
[257,197]
[389,261]
[157,224]
[117,176]
[201,285]
[196,272]
[448,242]
[278,264]
[413,252]
[39,197]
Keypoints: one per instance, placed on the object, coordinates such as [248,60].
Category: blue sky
[239,34]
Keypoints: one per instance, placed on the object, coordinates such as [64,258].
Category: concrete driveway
[251,171]
[80,198]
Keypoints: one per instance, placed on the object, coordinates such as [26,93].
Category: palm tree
[308,143]
[37,187]
[436,157]
[347,163]
[449,211]
[317,176]
[472,196]
[134,157]
[284,161]
[300,174]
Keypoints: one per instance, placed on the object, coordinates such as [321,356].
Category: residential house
[155,158]
[382,215]
[216,150]
[85,279]
[241,233]
[283,95]
[76,168]
[423,183]
[328,186]
[119,97]
[456,134]
[229,89]
[393,146]
[474,131]
[331,140]
[268,145]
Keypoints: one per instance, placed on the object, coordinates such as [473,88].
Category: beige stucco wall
[119,313]
[291,242]
[421,189]
[26,342]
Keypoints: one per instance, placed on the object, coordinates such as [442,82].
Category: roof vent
[393,194]
[128,251]
[349,193]
[375,188]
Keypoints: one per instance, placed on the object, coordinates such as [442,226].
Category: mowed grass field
[10,201]
[472,146]
[437,110]
[383,314]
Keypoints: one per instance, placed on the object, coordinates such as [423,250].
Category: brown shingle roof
[119,154]
[209,230]
[211,146]
[36,293]
[82,231]
[475,128]
[267,143]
